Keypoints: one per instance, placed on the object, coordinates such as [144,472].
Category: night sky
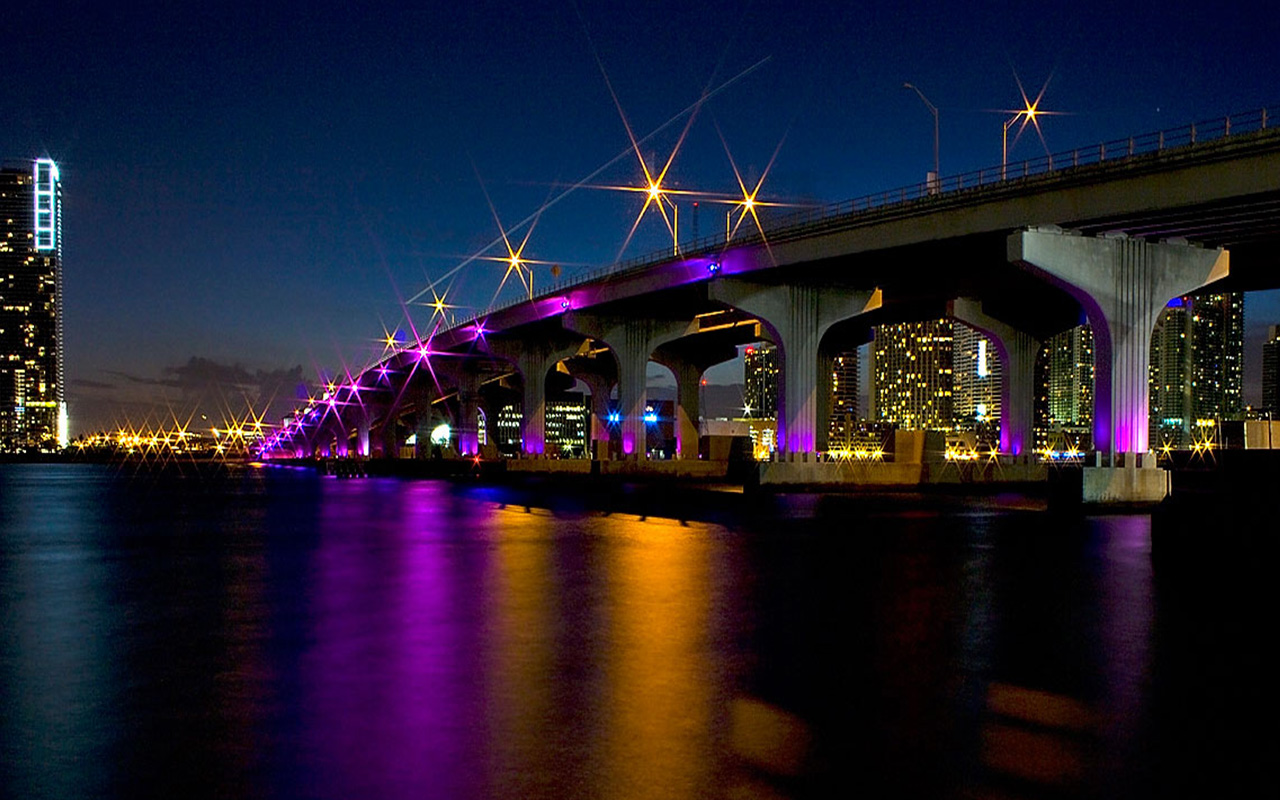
[251,189]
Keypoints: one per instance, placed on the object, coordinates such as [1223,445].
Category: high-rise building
[760,381]
[33,409]
[844,398]
[1197,359]
[1064,404]
[566,420]
[976,365]
[911,371]
[1271,371]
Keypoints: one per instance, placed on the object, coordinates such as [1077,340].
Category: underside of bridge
[1022,260]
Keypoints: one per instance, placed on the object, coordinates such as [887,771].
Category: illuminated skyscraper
[1271,371]
[911,371]
[977,378]
[760,381]
[1197,358]
[1064,405]
[33,409]
[844,398]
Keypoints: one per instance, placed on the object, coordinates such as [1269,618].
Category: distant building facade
[1197,368]
[978,377]
[912,376]
[1271,372]
[760,381]
[1064,399]
[33,408]
[844,399]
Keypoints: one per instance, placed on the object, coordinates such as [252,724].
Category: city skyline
[241,206]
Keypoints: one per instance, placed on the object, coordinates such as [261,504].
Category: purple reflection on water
[390,675]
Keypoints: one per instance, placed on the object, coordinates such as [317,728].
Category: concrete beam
[1122,284]
[1017,351]
[798,316]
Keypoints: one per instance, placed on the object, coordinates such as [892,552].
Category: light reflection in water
[660,675]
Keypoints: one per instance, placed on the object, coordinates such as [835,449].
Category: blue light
[651,417]
[614,417]
[564,303]
[45,178]
[1176,302]
[713,267]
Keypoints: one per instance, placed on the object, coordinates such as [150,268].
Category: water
[268,633]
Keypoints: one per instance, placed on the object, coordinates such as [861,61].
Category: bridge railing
[811,220]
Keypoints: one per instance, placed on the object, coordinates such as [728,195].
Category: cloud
[85,383]
[199,389]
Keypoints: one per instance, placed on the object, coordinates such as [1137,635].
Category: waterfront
[247,632]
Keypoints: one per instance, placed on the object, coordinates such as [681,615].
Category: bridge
[1107,234]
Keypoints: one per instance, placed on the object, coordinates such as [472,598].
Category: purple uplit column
[599,386]
[1122,284]
[1017,352]
[468,414]
[362,436]
[688,408]
[633,373]
[533,415]
[798,316]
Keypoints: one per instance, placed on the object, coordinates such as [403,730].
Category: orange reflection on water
[660,678]
[519,648]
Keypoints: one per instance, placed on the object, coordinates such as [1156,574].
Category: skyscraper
[844,398]
[1197,359]
[1271,371]
[1064,407]
[911,371]
[760,381]
[977,369]
[33,409]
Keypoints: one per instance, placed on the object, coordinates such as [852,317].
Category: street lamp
[657,195]
[1004,141]
[937,174]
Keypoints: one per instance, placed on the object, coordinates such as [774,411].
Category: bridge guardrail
[817,219]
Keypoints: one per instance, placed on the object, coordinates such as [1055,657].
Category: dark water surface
[269,633]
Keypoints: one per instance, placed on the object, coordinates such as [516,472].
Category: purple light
[564,303]
[628,442]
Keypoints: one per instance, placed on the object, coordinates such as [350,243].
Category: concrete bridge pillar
[468,422]
[633,341]
[1017,351]
[1122,284]
[600,386]
[388,437]
[362,435]
[688,359]
[535,359]
[798,316]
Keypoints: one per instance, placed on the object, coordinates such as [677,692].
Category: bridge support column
[798,316]
[388,438]
[362,436]
[600,386]
[688,359]
[1122,284]
[468,423]
[1017,351]
[535,360]
[633,341]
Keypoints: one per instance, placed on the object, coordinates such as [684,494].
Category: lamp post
[1004,142]
[937,174]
